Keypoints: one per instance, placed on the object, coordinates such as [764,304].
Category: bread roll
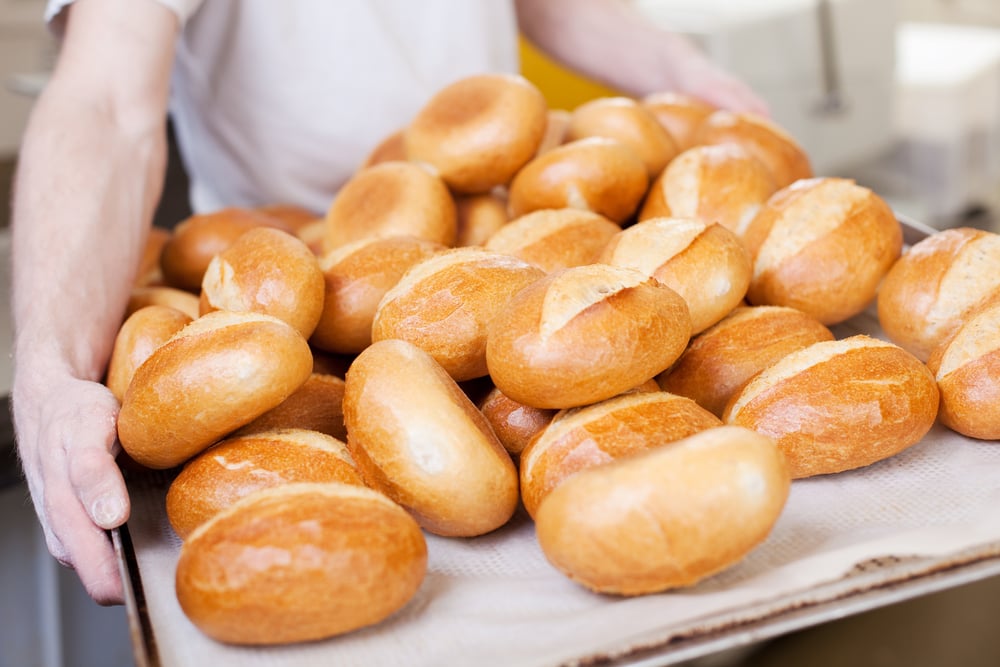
[723,358]
[218,373]
[556,125]
[555,239]
[293,216]
[266,271]
[679,114]
[391,199]
[597,434]
[444,305]
[318,405]
[157,295]
[149,272]
[390,149]
[596,174]
[822,246]
[478,131]
[667,517]
[768,142]
[201,237]
[480,216]
[313,235]
[967,370]
[417,438]
[723,184]
[585,334]
[298,563]
[145,330]
[514,424]
[928,293]
[839,405]
[703,262]
[629,122]
[238,466]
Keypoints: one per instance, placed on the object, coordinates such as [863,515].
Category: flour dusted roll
[667,517]
[391,199]
[585,334]
[300,562]
[771,144]
[145,330]
[238,466]
[927,294]
[703,262]
[596,174]
[597,434]
[318,405]
[723,358]
[839,405]
[478,131]
[722,183]
[218,373]
[555,238]
[822,246]
[417,438]
[679,114]
[967,370]
[444,305]
[161,295]
[480,216]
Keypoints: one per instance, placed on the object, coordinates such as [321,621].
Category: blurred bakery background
[901,95]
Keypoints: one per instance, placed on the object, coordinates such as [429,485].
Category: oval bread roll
[679,114]
[218,373]
[145,330]
[417,438]
[478,131]
[839,405]
[585,334]
[293,216]
[444,305]
[480,216]
[967,370]
[723,358]
[822,246]
[514,424]
[236,467]
[597,434]
[666,517]
[157,295]
[768,142]
[300,562]
[928,292]
[555,238]
[318,405]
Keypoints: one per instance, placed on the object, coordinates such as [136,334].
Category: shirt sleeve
[55,17]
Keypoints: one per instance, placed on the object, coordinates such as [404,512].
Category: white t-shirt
[279,101]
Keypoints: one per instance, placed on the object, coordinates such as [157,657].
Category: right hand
[67,439]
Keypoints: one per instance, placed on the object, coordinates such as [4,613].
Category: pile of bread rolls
[617,316]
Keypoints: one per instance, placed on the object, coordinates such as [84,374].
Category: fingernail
[107,511]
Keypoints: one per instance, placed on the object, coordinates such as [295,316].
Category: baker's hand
[67,441]
[696,75]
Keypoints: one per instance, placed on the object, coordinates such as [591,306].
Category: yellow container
[563,88]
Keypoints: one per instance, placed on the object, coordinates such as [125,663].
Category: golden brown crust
[155,295]
[318,405]
[771,144]
[480,216]
[585,334]
[218,373]
[145,330]
[555,239]
[417,438]
[515,424]
[300,562]
[667,517]
[839,405]
[293,216]
[597,434]
[556,124]
[477,132]
[679,114]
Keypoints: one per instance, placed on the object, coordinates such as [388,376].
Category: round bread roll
[555,238]
[596,174]
[479,131]
[313,235]
[221,371]
[596,434]
[769,143]
[480,216]
[822,246]
[556,125]
[391,199]
[667,517]
[839,405]
[238,466]
[145,330]
[198,239]
[629,122]
[266,271]
[723,358]
[417,438]
[390,149]
[967,370]
[293,216]
[149,272]
[318,405]
[703,262]
[929,291]
[357,276]
[156,295]
[723,184]
[444,304]
[679,114]
[585,334]
[300,562]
